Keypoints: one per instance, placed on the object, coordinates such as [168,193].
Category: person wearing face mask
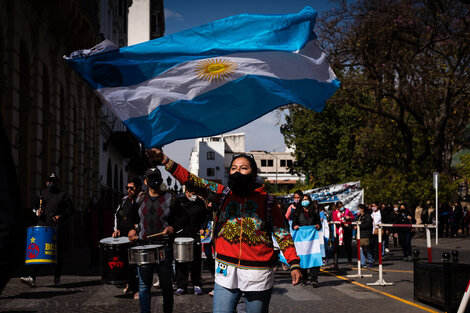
[246,219]
[343,236]
[308,215]
[159,212]
[195,209]
[374,239]
[393,218]
[404,233]
[298,195]
[56,207]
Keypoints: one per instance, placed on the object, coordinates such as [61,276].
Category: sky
[263,133]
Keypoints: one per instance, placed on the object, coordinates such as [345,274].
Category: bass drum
[113,256]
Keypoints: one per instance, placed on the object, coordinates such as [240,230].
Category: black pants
[405,243]
[374,246]
[347,245]
[209,258]
[311,273]
[182,270]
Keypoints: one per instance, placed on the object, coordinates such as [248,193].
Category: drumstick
[155,235]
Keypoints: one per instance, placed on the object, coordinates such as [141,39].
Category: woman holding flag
[308,216]
[246,219]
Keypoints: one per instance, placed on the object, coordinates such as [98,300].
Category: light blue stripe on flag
[210,79]
[308,246]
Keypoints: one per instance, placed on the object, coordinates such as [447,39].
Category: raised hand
[155,155]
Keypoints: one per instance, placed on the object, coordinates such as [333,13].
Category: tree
[413,59]
[404,101]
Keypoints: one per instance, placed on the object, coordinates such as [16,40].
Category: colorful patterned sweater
[242,236]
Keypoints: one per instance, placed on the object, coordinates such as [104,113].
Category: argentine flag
[309,246]
[210,79]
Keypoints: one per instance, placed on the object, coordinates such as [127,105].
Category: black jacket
[366,224]
[125,217]
[55,202]
[309,219]
[196,217]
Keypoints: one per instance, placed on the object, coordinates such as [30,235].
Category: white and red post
[464,302]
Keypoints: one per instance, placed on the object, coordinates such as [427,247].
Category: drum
[146,254]
[41,245]
[183,249]
[113,256]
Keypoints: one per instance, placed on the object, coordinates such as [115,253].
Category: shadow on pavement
[82,284]
[42,294]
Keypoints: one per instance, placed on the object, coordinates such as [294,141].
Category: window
[263,162]
[270,163]
[210,172]
[210,155]
[289,163]
[283,163]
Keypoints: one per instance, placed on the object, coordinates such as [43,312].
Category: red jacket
[242,235]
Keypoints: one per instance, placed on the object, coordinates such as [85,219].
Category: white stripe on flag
[182,81]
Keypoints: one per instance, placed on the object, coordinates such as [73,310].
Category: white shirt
[377,217]
[232,277]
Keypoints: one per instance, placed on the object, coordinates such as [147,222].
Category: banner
[350,194]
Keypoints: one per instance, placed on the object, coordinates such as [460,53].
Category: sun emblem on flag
[215,69]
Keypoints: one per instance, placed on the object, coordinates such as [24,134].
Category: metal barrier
[358,239]
[381,281]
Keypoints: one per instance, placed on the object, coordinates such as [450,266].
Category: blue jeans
[225,300]
[369,256]
[164,271]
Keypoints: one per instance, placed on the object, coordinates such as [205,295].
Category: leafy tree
[404,101]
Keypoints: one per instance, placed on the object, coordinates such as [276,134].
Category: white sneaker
[387,250]
[28,281]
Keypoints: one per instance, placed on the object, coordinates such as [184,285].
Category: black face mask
[53,187]
[154,183]
[241,184]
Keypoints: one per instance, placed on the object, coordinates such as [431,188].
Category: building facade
[211,158]
[51,117]
[146,21]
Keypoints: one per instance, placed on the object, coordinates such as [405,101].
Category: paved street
[82,290]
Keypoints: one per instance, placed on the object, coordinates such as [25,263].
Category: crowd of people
[246,224]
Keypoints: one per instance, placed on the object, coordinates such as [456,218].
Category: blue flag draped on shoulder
[309,246]
[210,79]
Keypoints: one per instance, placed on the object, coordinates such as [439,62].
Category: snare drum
[146,254]
[114,264]
[183,249]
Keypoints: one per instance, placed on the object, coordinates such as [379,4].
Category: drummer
[56,207]
[195,209]
[159,212]
[125,219]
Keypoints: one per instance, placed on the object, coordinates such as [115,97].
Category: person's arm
[67,209]
[289,211]
[183,176]
[116,232]
[284,238]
